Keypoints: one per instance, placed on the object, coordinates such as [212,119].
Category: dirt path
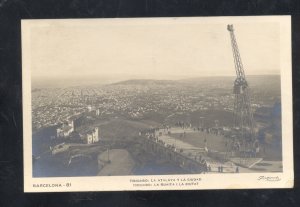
[121,163]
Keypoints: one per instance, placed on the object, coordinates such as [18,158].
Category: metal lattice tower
[243,116]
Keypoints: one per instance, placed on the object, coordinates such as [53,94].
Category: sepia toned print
[157,104]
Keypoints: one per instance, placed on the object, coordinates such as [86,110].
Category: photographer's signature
[269,178]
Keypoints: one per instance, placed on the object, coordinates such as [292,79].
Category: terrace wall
[171,155]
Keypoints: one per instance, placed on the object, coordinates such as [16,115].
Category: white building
[91,136]
[65,130]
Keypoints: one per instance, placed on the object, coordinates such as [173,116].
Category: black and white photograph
[157,103]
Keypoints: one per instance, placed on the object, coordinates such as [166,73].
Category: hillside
[256,82]
[120,129]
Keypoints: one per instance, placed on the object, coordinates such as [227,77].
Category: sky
[169,49]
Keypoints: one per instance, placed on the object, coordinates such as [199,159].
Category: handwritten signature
[269,178]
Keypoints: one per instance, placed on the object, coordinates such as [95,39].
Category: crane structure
[243,115]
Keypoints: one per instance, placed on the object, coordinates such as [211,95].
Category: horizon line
[130,78]
[90,82]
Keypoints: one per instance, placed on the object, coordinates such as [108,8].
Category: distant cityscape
[136,99]
[88,124]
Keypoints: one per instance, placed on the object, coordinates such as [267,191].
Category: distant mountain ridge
[95,81]
[145,82]
[255,78]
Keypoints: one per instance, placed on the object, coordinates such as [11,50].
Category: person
[237,169]
[221,168]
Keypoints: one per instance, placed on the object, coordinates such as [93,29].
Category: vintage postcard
[157,104]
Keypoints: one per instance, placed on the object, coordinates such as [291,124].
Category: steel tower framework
[243,116]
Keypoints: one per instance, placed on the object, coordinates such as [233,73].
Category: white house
[91,136]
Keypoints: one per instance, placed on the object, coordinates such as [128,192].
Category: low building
[59,148]
[90,136]
[65,130]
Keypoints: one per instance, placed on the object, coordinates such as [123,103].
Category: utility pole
[108,160]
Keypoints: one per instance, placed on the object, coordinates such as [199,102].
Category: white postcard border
[201,181]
